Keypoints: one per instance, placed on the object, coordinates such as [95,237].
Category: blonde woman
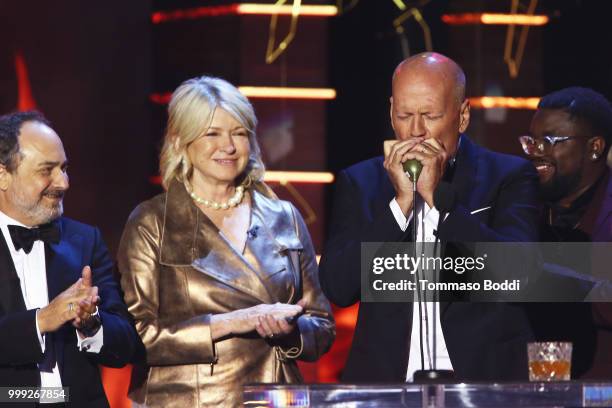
[219,275]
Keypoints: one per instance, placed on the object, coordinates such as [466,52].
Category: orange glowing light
[283,177]
[298,177]
[289,93]
[305,10]
[489,102]
[267,92]
[241,9]
[495,19]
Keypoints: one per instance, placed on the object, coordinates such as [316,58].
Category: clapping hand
[87,306]
[66,306]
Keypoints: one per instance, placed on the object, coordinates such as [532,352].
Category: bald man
[495,200]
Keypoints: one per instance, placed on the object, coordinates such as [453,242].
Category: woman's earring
[594,156]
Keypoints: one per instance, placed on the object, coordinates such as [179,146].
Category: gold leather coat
[177,271]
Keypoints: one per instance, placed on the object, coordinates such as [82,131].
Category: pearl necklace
[232,202]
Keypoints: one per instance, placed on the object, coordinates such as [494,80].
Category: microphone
[413,168]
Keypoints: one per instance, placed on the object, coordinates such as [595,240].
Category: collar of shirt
[5,221]
[429,214]
[30,268]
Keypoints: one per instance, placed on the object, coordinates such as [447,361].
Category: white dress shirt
[32,273]
[427,222]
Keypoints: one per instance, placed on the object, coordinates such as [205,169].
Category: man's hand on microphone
[433,156]
[396,152]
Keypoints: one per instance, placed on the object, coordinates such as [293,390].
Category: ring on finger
[427,147]
[70,306]
[430,147]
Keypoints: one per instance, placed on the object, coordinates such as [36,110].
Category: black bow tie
[24,238]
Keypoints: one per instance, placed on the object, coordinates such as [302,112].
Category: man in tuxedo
[61,312]
[495,199]
[568,142]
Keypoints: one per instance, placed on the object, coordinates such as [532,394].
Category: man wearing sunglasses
[568,142]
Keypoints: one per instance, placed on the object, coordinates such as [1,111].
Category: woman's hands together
[268,320]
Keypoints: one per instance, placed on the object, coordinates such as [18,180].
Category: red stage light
[242,9]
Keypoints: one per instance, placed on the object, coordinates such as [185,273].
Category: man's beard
[560,186]
[38,212]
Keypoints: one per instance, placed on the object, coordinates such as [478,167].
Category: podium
[461,395]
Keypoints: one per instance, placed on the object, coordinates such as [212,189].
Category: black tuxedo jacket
[485,341]
[20,351]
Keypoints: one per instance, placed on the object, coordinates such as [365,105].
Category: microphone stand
[414,176]
[413,169]
[433,375]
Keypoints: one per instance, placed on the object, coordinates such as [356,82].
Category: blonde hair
[190,114]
